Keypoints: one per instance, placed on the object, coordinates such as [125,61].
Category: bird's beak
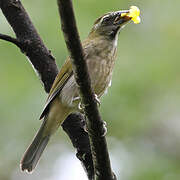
[121,20]
[122,17]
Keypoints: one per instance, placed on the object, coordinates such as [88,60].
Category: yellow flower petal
[136,20]
[134,12]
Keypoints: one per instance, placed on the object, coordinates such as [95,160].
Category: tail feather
[35,150]
[51,122]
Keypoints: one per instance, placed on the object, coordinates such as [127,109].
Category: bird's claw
[77,101]
[85,128]
[97,99]
[104,128]
[80,107]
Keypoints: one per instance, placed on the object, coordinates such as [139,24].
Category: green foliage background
[141,107]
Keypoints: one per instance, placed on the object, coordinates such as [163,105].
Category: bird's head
[110,23]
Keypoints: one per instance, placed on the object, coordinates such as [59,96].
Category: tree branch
[102,167]
[43,62]
[74,127]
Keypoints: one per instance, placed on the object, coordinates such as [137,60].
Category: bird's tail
[35,150]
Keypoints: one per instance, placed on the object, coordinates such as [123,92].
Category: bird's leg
[81,110]
[80,106]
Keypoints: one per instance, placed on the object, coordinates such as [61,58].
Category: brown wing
[59,82]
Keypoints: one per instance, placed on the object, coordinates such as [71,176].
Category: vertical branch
[101,161]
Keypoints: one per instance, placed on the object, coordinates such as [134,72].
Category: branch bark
[74,127]
[101,161]
[30,43]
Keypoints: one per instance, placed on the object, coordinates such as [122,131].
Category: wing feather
[59,82]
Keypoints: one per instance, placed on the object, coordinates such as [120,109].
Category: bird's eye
[106,18]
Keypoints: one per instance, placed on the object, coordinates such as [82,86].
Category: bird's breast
[100,57]
[100,66]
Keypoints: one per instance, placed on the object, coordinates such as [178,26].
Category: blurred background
[141,108]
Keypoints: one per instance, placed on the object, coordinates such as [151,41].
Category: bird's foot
[85,128]
[104,128]
[77,101]
[81,107]
[97,99]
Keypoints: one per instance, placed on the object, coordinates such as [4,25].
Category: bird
[100,50]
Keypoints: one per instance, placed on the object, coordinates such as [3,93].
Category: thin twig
[11,39]
[101,162]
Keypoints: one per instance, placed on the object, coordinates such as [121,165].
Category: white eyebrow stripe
[103,18]
[106,16]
